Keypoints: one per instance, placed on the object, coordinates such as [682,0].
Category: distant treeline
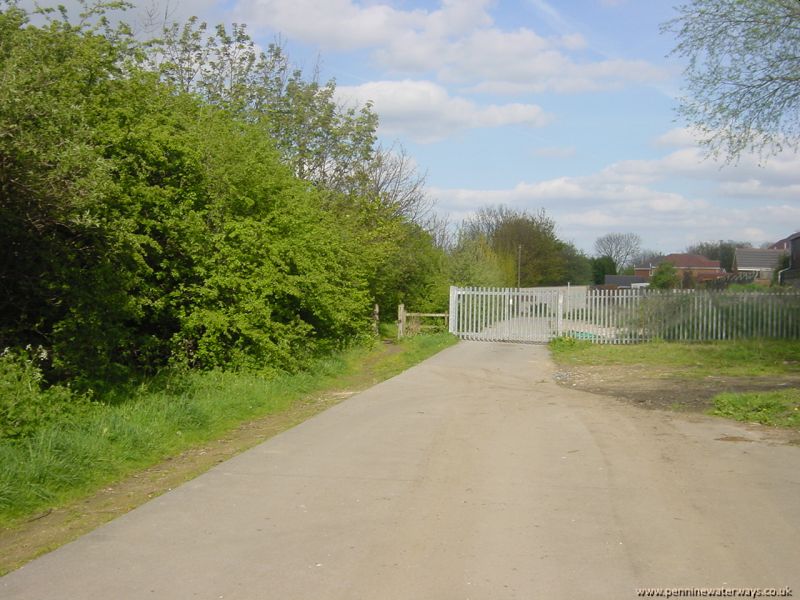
[192,200]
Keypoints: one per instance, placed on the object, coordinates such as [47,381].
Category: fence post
[560,326]
[401,321]
[453,318]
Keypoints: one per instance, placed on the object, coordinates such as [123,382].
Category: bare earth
[472,475]
[663,388]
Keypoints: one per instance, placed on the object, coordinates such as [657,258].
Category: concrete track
[472,475]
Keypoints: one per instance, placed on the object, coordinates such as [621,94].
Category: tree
[524,243]
[645,257]
[472,262]
[324,143]
[602,266]
[144,225]
[742,78]
[392,180]
[784,262]
[577,266]
[621,247]
[665,277]
[723,251]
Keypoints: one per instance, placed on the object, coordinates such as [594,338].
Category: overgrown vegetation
[194,233]
[194,202]
[65,457]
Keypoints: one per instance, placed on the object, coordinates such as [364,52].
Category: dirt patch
[53,528]
[663,388]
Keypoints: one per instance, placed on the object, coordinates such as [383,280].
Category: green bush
[26,404]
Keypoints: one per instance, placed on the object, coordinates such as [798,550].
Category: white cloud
[777,178]
[555,151]
[458,41]
[346,25]
[573,41]
[425,112]
[748,202]
[680,137]
[336,24]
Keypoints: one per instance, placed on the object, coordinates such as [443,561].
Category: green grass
[741,358]
[70,458]
[779,408]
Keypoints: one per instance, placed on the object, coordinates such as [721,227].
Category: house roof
[624,280]
[785,243]
[690,261]
[757,259]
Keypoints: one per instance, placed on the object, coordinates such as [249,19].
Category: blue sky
[566,106]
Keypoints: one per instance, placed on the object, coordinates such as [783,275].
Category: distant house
[760,262]
[623,282]
[792,275]
[785,244]
[702,268]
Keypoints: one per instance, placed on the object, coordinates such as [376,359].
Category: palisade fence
[621,316]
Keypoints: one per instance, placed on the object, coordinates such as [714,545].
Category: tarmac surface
[472,475]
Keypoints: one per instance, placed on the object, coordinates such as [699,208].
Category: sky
[564,106]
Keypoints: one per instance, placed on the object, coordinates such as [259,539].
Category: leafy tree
[323,142]
[665,277]
[144,225]
[520,239]
[742,76]
[472,262]
[67,275]
[414,274]
[602,266]
[621,247]
[577,266]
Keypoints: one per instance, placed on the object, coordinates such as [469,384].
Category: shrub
[26,404]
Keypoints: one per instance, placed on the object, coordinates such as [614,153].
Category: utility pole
[519,265]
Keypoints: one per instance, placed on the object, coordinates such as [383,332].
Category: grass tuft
[778,408]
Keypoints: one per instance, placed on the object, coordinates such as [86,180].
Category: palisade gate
[512,314]
[621,316]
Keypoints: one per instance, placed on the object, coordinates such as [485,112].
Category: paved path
[469,476]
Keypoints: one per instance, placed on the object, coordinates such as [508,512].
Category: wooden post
[401,321]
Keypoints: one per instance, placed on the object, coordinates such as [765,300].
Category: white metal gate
[510,314]
[621,316]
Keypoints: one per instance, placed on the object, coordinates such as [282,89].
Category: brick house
[792,275]
[701,268]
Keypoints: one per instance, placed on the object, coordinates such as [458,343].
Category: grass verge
[71,458]
[779,408]
[739,358]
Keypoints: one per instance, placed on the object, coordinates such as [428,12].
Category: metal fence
[621,316]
